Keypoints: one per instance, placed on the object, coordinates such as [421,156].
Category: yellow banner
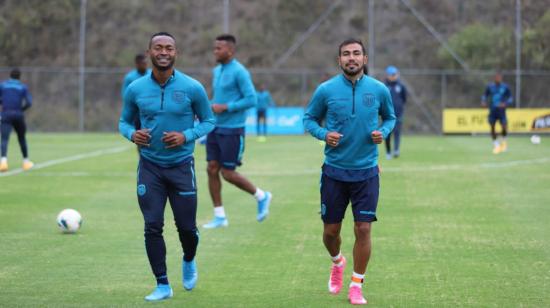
[474,120]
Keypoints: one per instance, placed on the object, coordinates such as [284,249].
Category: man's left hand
[502,105]
[219,108]
[173,139]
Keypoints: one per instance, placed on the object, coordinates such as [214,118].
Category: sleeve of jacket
[129,112]
[201,107]
[315,113]
[246,87]
[387,113]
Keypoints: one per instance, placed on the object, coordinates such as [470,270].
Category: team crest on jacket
[178,96]
[368,99]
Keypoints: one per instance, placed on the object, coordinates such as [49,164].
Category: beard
[163,67]
[352,72]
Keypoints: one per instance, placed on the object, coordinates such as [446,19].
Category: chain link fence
[55,93]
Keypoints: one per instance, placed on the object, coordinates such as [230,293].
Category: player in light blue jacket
[167,103]
[233,94]
[350,104]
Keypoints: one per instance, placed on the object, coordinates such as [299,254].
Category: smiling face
[162,50]
[352,59]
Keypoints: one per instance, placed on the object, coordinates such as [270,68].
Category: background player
[233,94]
[167,102]
[350,103]
[398,93]
[140,70]
[264,102]
[497,97]
[15,98]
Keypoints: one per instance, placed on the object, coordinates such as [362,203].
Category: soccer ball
[535,139]
[69,221]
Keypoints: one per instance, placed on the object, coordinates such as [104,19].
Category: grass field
[457,226]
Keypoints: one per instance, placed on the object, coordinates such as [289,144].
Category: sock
[4,159]
[219,211]
[338,260]
[26,160]
[357,280]
[260,194]
[163,279]
[495,143]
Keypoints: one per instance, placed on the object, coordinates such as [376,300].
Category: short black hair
[139,57]
[162,33]
[227,37]
[349,42]
[15,73]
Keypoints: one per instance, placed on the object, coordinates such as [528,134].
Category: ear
[366,58]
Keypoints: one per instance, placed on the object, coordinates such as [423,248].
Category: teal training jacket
[353,111]
[172,107]
[232,85]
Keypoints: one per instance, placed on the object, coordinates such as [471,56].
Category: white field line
[67,159]
[450,167]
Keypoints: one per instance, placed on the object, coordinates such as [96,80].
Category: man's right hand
[333,139]
[483,104]
[141,137]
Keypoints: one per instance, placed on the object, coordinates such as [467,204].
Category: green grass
[457,226]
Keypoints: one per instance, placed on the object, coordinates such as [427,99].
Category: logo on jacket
[178,96]
[397,89]
[368,99]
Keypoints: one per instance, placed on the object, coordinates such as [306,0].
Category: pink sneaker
[336,277]
[355,296]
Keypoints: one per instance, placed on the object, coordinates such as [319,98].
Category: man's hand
[219,108]
[173,139]
[483,104]
[141,137]
[502,105]
[377,137]
[333,139]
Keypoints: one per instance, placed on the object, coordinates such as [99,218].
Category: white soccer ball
[69,220]
[535,139]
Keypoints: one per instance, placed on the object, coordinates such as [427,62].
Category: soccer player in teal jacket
[350,105]
[233,94]
[167,103]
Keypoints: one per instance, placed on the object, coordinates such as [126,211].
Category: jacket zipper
[353,99]
[161,97]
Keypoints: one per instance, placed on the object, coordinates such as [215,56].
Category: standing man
[15,98]
[398,93]
[497,97]
[167,102]
[264,101]
[140,70]
[233,94]
[350,104]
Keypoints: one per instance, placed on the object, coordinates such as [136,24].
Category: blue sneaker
[190,274]
[217,222]
[263,207]
[162,291]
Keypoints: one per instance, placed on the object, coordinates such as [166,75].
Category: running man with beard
[350,104]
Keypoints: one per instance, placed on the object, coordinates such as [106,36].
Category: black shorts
[497,114]
[227,149]
[336,195]
[261,113]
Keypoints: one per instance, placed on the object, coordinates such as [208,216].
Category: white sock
[219,211]
[355,278]
[25,160]
[4,159]
[337,260]
[260,194]
[495,143]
